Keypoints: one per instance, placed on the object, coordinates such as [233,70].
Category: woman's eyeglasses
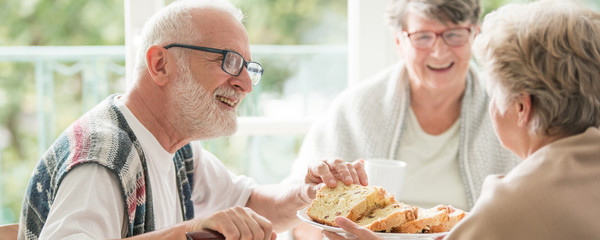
[454,37]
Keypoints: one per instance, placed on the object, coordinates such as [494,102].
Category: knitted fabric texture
[367,121]
[102,136]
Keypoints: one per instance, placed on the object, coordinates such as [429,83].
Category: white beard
[198,110]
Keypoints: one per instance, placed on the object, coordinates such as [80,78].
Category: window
[60,58]
[45,88]
[302,46]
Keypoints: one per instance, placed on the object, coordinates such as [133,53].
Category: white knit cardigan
[366,121]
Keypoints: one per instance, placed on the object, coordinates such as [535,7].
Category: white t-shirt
[88,203]
[432,169]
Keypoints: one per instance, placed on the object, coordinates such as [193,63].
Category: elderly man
[128,167]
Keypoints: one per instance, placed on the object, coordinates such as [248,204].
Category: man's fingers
[241,227]
[353,173]
[221,222]
[333,170]
[316,171]
[264,224]
[324,171]
[342,170]
[241,223]
[255,230]
[308,192]
[359,166]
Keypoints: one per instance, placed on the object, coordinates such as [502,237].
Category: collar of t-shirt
[433,174]
[161,171]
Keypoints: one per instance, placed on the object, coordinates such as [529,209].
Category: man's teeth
[439,66]
[227,101]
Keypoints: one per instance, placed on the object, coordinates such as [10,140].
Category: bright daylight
[300,119]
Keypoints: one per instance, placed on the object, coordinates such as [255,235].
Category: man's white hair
[173,24]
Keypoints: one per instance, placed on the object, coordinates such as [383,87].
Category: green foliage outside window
[101,22]
[42,23]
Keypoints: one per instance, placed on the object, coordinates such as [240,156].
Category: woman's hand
[361,233]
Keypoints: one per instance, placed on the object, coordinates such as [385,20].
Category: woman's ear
[398,43]
[158,61]
[476,30]
[524,109]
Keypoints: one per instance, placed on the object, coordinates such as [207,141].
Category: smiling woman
[301,44]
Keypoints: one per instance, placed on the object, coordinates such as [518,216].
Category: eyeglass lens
[255,71]
[452,37]
[233,64]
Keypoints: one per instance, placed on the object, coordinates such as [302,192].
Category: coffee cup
[387,173]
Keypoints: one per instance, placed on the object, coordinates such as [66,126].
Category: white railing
[95,63]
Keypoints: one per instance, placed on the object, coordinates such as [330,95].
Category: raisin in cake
[454,217]
[384,219]
[426,218]
[350,201]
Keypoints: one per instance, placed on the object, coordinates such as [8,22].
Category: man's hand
[361,233]
[279,203]
[236,223]
[332,170]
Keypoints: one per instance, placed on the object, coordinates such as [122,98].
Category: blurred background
[60,58]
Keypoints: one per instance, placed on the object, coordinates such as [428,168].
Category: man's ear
[158,61]
[524,109]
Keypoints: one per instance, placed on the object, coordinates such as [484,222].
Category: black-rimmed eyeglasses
[232,63]
[454,37]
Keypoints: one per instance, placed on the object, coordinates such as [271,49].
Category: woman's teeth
[437,67]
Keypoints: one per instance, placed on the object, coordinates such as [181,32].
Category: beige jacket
[553,194]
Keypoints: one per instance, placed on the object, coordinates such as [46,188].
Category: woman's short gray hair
[550,50]
[455,11]
[173,24]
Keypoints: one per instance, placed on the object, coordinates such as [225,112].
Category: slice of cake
[426,218]
[350,201]
[384,219]
[389,199]
[454,217]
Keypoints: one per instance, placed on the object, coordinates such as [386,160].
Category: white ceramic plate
[396,236]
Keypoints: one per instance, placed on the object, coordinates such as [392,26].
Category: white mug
[387,173]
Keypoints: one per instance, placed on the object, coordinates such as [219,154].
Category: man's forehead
[218,29]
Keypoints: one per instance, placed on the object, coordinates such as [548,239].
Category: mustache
[228,93]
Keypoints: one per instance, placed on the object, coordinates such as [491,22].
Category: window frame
[370,50]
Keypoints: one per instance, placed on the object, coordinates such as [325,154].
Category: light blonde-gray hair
[173,24]
[550,50]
